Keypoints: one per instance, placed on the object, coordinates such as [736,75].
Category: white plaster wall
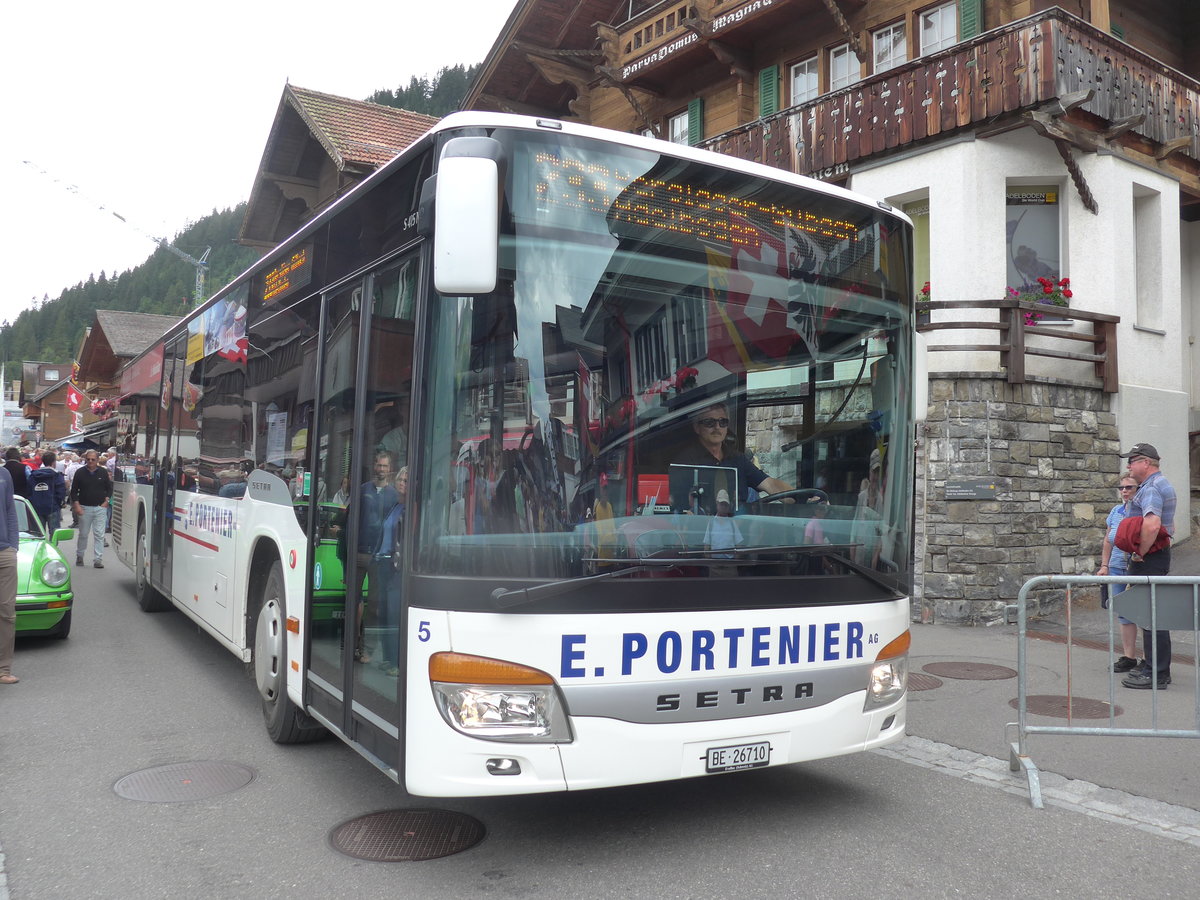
[966,183]
[1159,367]
[1189,240]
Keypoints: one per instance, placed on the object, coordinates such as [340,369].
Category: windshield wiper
[503,598]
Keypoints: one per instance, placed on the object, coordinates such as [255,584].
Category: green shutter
[970,18]
[696,121]
[768,91]
[1118,32]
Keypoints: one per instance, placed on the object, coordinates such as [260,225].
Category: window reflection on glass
[651,311]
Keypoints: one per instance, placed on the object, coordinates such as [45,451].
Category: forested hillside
[163,284]
[437,96]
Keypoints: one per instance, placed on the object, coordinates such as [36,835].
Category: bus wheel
[149,599]
[286,724]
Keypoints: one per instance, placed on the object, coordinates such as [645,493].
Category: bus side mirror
[466,217]
[920,377]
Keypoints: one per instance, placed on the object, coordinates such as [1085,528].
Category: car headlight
[889,676]
[55,573]
[497,700]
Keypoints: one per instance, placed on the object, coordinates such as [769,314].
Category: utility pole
[201,264]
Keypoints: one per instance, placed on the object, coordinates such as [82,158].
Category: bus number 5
[423,632]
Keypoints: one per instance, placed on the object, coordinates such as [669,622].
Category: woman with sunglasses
[1115,561]
[713,448]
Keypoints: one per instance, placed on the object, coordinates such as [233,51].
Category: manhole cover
[184,781]
[407,835]
[920,682]
[970,671]
[1056,705]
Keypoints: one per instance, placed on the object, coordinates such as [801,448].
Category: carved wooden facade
[725,66]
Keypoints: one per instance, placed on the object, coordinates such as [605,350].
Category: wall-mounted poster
[1032,220]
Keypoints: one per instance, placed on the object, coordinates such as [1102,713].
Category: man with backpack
[48,492]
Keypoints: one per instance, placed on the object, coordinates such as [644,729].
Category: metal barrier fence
[1157,602]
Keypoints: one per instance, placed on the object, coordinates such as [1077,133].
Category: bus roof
[491,120]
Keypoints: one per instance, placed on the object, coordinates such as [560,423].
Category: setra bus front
[666,468]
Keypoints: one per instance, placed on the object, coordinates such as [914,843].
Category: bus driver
[713,448]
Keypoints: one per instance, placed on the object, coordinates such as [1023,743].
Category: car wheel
[149,599]
[63,628]
[286,724]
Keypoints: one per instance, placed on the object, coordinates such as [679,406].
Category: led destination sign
[293,272]
[582,186]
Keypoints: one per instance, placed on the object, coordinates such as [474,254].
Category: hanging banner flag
[74,397]
[77,422]
[75,371]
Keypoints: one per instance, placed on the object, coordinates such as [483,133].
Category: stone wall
[1050,450]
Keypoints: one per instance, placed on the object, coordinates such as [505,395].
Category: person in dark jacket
[17,471]
[48,492]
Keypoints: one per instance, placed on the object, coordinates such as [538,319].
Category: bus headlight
[54,573]
[889,675]
[497,700]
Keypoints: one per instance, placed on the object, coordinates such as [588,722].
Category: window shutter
[768,91]
[970,18]
[696,121]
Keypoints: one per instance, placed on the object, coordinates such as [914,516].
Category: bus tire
[286,723]
[148,598]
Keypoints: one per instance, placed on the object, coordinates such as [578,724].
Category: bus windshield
[685,371]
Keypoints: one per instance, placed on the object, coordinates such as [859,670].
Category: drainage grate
[1056,705]
[921,682]
[970,671]
[184,781]
[407,835]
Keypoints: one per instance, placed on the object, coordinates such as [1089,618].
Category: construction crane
[201,264]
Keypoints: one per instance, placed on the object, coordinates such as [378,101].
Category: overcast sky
[159,111]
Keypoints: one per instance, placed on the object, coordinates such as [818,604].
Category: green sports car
[43,578]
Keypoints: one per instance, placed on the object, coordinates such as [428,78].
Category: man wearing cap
[1155,503]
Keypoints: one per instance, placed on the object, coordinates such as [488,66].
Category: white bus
[471,468]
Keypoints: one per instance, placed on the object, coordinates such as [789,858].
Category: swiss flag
[74,397]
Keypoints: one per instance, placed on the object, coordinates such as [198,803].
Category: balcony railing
[1014,331]
[987,80]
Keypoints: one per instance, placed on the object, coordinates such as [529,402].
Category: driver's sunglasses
[714,423]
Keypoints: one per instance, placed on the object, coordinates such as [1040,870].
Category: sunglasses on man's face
[714,423]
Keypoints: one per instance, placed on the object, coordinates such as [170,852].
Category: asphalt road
[129,691]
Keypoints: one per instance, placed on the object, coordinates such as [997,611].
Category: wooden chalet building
[1025,140]
[320,146]
[112,341]
[43,398]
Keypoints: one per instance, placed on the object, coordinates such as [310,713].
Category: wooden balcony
[1014,330]
[663,40]
[990,83]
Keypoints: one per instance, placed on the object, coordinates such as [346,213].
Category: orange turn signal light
[895,648]
[293,625]
[462,668]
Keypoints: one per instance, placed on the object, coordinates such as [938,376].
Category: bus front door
[359,465]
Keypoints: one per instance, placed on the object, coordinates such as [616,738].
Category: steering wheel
[800,495]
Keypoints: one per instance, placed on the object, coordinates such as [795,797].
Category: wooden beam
[1101,15]
[1081,185]
[848,32]
[1173,146]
